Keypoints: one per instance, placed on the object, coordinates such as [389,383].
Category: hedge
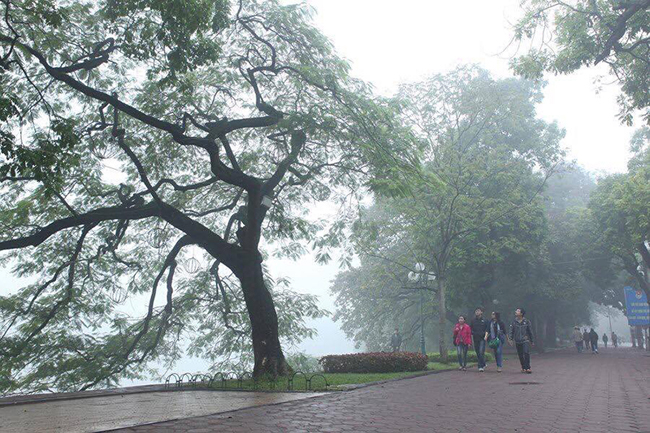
[374,362]
[452,357]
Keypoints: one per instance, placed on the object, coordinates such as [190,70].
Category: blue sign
[638,310]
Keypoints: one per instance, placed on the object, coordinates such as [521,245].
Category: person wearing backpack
[496,337]
[462,341]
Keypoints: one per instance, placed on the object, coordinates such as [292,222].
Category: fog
[389,43]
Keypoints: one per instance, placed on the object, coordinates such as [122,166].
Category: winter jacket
[577,336]
[497,329]
[521,332]
[462,334]
[593,337]
[479,327]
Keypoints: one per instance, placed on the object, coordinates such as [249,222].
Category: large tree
[136,133]
[620,213]
[567,35]
[486,157]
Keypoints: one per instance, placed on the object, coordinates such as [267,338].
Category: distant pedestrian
[479,331]
[586,339]
[577,339]
[496,337]
[396,341]
[605,339]
[614,340]
[593,338]
[462,340]
[521,333]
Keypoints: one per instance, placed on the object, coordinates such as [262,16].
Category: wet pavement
[568,392]
[114,410]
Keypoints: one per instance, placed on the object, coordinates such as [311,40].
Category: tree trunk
[269,358]
[442,315]
[645,254]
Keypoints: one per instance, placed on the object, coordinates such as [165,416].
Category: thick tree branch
[92,217]
[298,140]
[620,27]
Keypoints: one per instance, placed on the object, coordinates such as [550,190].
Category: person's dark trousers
[479,347]
[523,350]
[579,346]
[594,347]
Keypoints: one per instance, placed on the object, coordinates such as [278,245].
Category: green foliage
[180,34]
[303,362]
[475,204]
[585,33]
[50,159]
[619,216]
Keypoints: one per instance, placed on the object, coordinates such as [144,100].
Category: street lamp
[415,277]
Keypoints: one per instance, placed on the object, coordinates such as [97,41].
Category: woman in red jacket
[462,341]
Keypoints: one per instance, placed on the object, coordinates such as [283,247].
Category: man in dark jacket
[521,333]
[593,336]
[479,335]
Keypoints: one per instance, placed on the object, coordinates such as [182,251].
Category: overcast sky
[390,42]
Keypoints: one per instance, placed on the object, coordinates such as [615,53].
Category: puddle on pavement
[126,410]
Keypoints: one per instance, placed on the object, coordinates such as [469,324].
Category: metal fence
[246,380]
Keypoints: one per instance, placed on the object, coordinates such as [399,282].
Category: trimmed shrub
[451,356]
[374,362]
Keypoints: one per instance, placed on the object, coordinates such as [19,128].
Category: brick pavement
[609,392]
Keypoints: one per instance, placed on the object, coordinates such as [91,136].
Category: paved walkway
[568,392]
[98,411]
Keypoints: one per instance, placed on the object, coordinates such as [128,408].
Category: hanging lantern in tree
[191,265]
[156,237]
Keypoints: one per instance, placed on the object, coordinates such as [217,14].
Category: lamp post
[419,276]
[645,330]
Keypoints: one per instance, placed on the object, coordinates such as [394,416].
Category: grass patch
[334,380]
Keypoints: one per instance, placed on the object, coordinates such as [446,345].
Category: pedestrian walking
[496,337]
[593,338]
[577,339]
[614,340]
[586,339]
[396,341]
[479,330]
[462,341]
[521,333]
[605,339]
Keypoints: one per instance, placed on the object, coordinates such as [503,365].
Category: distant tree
[620,212]
[486,160]
[221,123]
[567,35]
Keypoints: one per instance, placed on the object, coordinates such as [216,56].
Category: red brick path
[609,392]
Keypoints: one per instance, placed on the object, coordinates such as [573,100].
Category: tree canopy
[565,36]
[142,139]
[486,158]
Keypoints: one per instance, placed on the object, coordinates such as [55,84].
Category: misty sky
[391,42]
